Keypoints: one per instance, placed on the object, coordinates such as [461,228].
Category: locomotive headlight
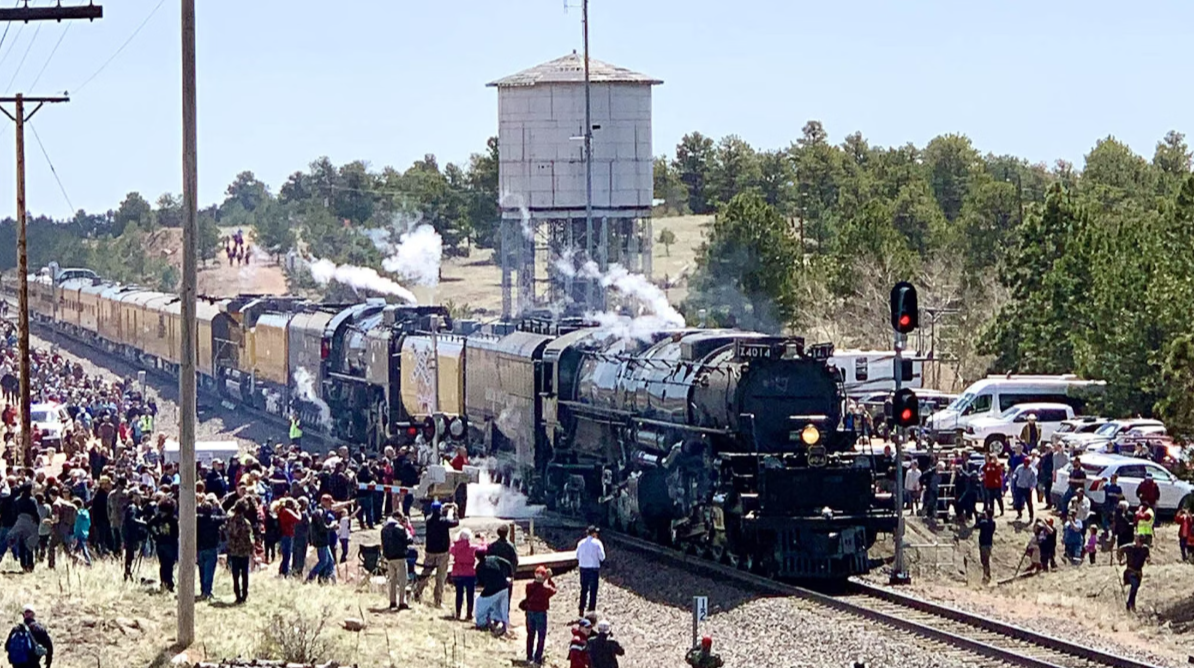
[810,435]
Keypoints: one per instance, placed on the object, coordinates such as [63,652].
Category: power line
[11,45]
[27,50]
[52,170]
[51,57]
[133,36]
[7,26]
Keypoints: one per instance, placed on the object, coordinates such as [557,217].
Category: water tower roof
[571,69]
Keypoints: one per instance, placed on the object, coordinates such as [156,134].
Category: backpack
[21,647]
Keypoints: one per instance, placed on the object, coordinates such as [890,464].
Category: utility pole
[591,284]
[26,14]
[20,118]
[186,379]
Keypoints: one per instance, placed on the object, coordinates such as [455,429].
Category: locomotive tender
[720,442]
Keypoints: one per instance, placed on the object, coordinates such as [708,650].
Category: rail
[979,635]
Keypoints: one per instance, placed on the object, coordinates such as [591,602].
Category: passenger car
[995,434]
[1082,424]
[1099,468]
[1110,432]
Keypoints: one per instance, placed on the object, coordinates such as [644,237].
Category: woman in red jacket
[536,605]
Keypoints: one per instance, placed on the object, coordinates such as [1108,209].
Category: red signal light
[906,415]
[905,320]
[412,431]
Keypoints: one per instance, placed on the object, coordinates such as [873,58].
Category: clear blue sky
[283,82]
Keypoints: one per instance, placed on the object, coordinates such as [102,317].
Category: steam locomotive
[720,442]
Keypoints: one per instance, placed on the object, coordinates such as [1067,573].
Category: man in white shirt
[912,487]
[590,553]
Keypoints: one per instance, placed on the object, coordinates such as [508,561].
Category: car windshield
[1009,412]
[961,402]
[1108,429]
[1092,468]
[39,416]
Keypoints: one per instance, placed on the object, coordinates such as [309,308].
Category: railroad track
[978,640]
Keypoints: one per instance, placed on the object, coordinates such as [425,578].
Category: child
[1092,543]
[344,531]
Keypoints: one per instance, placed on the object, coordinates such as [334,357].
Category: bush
[295,638]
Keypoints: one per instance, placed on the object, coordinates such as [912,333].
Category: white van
[993,395]
[868,371]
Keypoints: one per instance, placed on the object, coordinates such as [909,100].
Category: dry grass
[96,620]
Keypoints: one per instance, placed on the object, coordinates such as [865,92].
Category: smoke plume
[509,199]
[359,278]
[417,256]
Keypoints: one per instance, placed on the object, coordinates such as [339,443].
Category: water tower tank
[541,117]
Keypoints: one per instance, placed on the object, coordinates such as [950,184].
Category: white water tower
[542,175]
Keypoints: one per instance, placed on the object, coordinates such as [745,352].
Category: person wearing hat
[604,650]
[578,648]
[536,604]
[590,553]
[703,656]
[28,642]
[1030,435]
[436,549]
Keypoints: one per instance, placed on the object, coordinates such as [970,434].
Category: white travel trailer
[993,395]
[869,371]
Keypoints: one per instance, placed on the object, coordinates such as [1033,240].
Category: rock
[88,622]
[354,624]
[181,659]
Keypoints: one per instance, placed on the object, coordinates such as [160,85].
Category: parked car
[1107,433]
[50,420]
[1082,424]
[1099,468]
[996,434]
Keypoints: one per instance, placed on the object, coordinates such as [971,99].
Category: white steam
[359,278]
[305,385]
[417,256]
[636,286]
[509,199]
[489,499]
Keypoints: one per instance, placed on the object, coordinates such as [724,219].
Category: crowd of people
[1113,527]
[108,489]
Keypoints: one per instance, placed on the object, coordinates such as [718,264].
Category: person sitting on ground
[703,656]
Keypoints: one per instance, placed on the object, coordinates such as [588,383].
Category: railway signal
[905,411]
[905,314]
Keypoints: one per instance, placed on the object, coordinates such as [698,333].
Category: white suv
[1099,468]
[995,434]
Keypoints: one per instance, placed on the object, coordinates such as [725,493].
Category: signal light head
[905,409]
[905,311]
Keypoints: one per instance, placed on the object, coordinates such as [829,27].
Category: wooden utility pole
[20,118]
[26,14]
[186,379]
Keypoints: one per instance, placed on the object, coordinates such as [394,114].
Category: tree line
[1028,268]
[325,207]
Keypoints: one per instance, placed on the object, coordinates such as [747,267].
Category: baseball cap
[28,610]
[603,626]
[584,623]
